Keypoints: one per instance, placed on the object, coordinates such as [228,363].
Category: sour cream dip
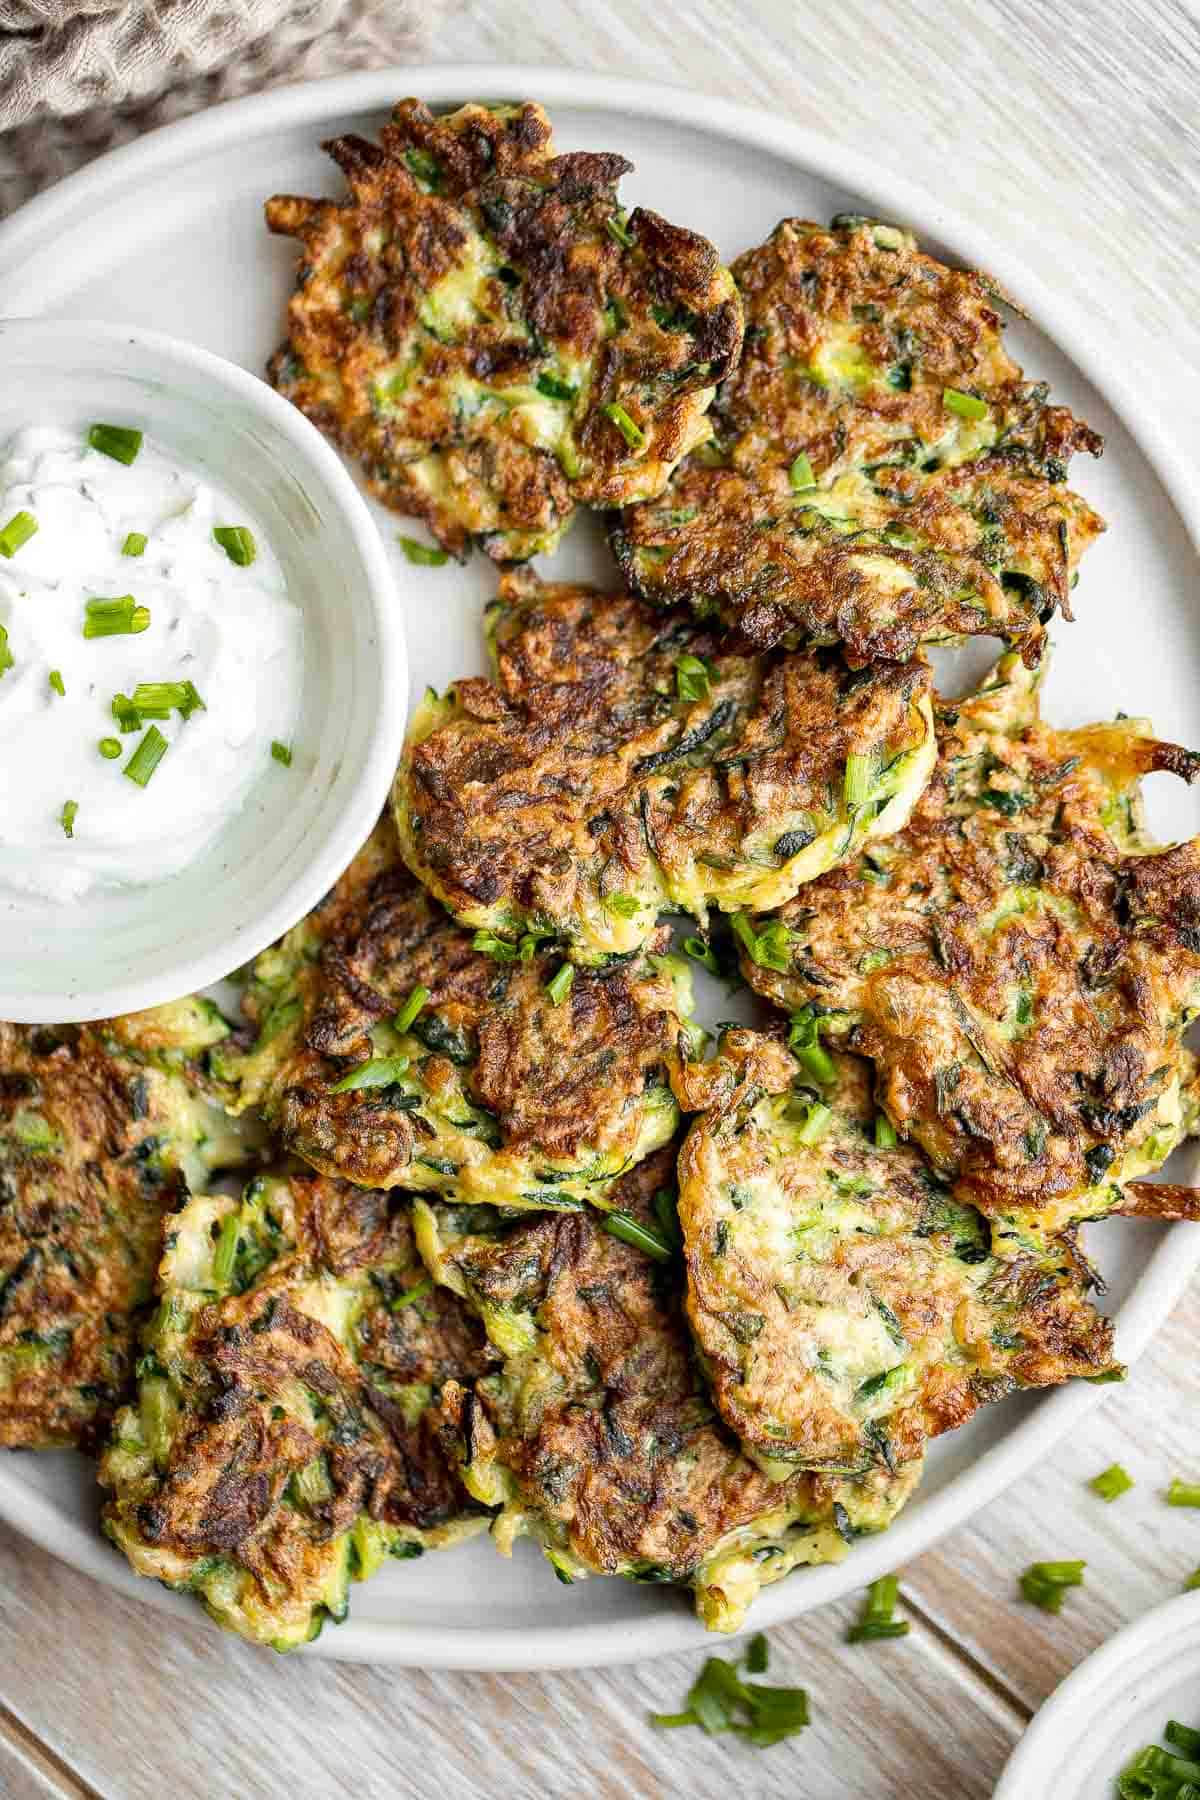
[124,592]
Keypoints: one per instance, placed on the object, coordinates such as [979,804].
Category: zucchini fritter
[485,330]
[846,1306]
[598,1437]
[883,476]
[512,1083]
[1020,963]
[286,1438]
[625,762]
[95,1144]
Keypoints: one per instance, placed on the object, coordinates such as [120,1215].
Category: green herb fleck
[424,556]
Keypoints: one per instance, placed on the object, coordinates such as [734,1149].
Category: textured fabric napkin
[79,76]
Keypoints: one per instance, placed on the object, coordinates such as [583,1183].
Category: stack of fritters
[522,1292]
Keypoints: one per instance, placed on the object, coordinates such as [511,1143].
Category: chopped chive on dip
[1183,1493]
[146,757]
[159,699]
[632,432]
[18,531]
[281,752]
[693,678]
[109,748]
[56,682]
[967,406]
[1158,1774]
[7,660]
[561,983]
[379,1071]
[425,556]
[720,1700]
[1045,1584]
[1111,1483]
[643,1237]
[238,544]
[800,475]
[120,442]
[121,617]
[135,543]
[67,817]
[418,999]
[126,713]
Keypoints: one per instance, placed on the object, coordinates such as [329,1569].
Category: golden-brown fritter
[286,1438]
[488,333]
[846,1307]
[598,1436]
[626,761]
[95,1145]
[883,475]
[513,1080]
[1020,962]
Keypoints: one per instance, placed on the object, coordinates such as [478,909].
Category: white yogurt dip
[230,630]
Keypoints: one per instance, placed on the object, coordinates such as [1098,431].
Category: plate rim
[49,217]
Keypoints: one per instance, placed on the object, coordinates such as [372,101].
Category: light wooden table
[1071,130]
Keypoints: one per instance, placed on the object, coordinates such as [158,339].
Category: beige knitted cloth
[79,76]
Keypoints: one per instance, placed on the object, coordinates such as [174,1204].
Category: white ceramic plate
[168,233]
[1110,1707]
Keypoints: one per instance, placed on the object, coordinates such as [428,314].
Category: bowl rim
[384,619]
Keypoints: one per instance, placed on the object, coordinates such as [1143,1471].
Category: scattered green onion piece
[561,983]
[146,757]
[425,556]
[118,441]
[1183,1493]
[815,1123]
[379,1071]
[191,701]
[225,1252]
[800,475]
[878,1620]
[701,952]
[666,1211]
[643,1237]
[7,659]
[126,713]
[757,1654]
[120,617]
[158,699]
[1111,1483]
[416,1292]
[804,1041]
[885,1133]
[109,748]
[768,948]
[56,682]
[1045,1584]
[859,779]
[418,999]
[618,231]
[554,389]
[68,816]
[1183,1737]
[668,1721]
[692,678]
[818,1063]
[874,1631]
[18,531]
[1192,1582]
[238,544]
[624,905]
[719,1700]
[135,543]
[281,752]
[632,432]
[967,406]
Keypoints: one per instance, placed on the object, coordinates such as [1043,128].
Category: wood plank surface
[1077,125]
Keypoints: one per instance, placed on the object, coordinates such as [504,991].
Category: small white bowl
[1107,1709]
[119,950]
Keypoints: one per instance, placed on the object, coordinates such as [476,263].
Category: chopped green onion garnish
[633,434]
[885,1133]
[817,1062]
[238,544]
[859,778]
[1111,1483]
[719,1700]
[815,1122]
[158,699]
[418,999]
[135,543]
[1044,1584]
[873,1631]
[1183,1493]
[800,475]
[118,441]
[109,748]
[554,389]
[561,983]
[416,1292]
[18,531]
[643,1237]
[281,752]
[7,660]
[1192,1582]
[56,682]
[122,617]
[68,816]
[1183,1737]
[126,713]
[967,406]
[757,1654]
[379,1071]
[692,678]
[225,1250]
[616,229]
[701,952]
[768,948]
[523,951]
[146,757]
[424,555]
[624,905]
[877,1620]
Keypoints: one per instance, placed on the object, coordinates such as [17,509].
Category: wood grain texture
[1073,133]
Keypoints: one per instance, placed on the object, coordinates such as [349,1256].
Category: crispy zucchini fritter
[625,761]
[1020,963]
[846,1306]
[883,476]
[485,330]
[513,1083]
[95,1144]
[286,1437]
[598,1436]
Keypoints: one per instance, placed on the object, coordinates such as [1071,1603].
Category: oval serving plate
[168,233]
